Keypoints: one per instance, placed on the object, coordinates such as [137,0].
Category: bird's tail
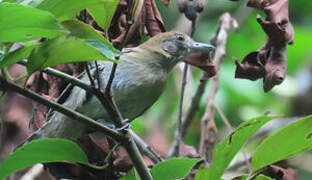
[61,126]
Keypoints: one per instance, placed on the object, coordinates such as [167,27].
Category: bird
[140,78]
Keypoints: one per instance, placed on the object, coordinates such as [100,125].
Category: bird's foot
[124,127]
[107,124]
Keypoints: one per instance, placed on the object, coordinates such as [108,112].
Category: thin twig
[223,117]
[65,77]
[98,75]
[189,116]
[110,154]
[77,82]
[110,81]
[247,160]
[108,102]
[181,104]
[5,85]
[185,69]
[91,79]
[208,127]
[33,172]
[145,149]
[199,93]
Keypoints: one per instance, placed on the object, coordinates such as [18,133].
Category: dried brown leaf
[188,151]
[283,174]
[250,68]
[270,61]
[202,61]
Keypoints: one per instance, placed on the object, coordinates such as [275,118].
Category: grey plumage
[140,78]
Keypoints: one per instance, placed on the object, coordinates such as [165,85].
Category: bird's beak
[197,47]
[201,57]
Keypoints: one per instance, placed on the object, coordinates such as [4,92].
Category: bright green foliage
[10,1]
[63,9]
[131,175]
[84,31]
[110,53]
[45,150]
[203,174]
[16,56]
[293,139]
[260,177]
[105,9]
[171,169]
[227,149]
[64,49]
[22,23]
[175,168]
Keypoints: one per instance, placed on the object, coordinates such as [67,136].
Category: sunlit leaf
[175,168]
[16,56]
[131,175]
[64,49]
[293,139]
[260,177]
[85,31]
[103,13]
[63,9]
[39,151]
[22,23]
[228,148]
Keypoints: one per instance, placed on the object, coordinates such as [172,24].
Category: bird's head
[174,46]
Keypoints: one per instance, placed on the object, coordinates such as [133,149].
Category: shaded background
[239,99]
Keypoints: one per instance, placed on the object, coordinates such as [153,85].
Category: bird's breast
[135,89]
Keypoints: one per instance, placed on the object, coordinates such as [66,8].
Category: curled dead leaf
[188,151]
[282,174]
[270,61]
[202,61]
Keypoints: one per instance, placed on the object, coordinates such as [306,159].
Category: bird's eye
[180,37]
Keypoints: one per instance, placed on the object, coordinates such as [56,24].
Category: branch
[146,149]
[185,69]
[33,172]
[108,104]
[181,105]
[189,116]
[91,79]
[5,85]
[208,127]
[143,147]
[223,117]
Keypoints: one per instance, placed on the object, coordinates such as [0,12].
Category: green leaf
[63,9]
[103,13]
[131,175]
[104,48]
[202,173]
[42,151]
[10,1]
[260,177]
[175,168]
[16,56]
[64,49]
[293,139]
[22,23]
[227,149]
[85,31]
